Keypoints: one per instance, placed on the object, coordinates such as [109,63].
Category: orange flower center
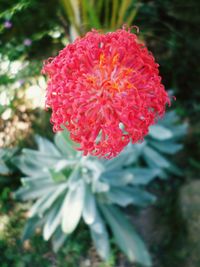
[111,75]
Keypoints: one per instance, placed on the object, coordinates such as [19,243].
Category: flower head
[106,90]
[27,42]
[7,24]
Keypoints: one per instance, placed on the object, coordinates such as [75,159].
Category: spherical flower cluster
[106,90]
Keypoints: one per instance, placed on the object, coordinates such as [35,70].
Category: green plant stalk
[132,16]
[84,15]
[114,14]
[68,9]
[123,8]
[106,21]
[99,7]
[93,18]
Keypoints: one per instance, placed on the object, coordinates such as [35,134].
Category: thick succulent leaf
[179,130]
[89,209]
[34,211]
[115,163]
[65,163]
[6,154]
[53,220]
[41,159]
[73,207]
[2,153]
[46,201]
[126,237]
[100,237]
[163,174]
[30,227]
[117,177]
[58,239]
[128,156]
[143,176]
[154,159]
[167,147]
[133,153]
[169,119]
[46,147]
[65,144]
[57,176]
[27,166]
[29,193]
[175,170]
[95,169]
[160,132]
[124,196]
[43,179]
[99,186]
[4,170]
[94,166]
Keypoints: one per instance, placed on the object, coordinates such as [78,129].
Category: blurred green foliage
[171,30]
[36,253]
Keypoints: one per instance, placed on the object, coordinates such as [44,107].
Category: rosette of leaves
[6,166]
[68,187]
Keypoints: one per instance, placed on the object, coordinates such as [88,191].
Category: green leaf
[100,237]
[117,178]
[100,187]
[167,147]
[4,170]
[57,176]
[179,130]
[154,159]
[122,11]
[58,239]
[169,119]
[73,207]
[59,192]
[46,147]
[27,193]
[43,179]
[65,163]
[175,170]
[30,227]
[34,211]
[47,200]
[89,209]
[70,13]
[160,132]
[65,144]
[124,196]
[143,176]
[53,220]
[114,14]
[133,14]
[40,158]
[126,237]
[128,156]
[91,11]
[27,166]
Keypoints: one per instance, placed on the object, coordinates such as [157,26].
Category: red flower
[106,90]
